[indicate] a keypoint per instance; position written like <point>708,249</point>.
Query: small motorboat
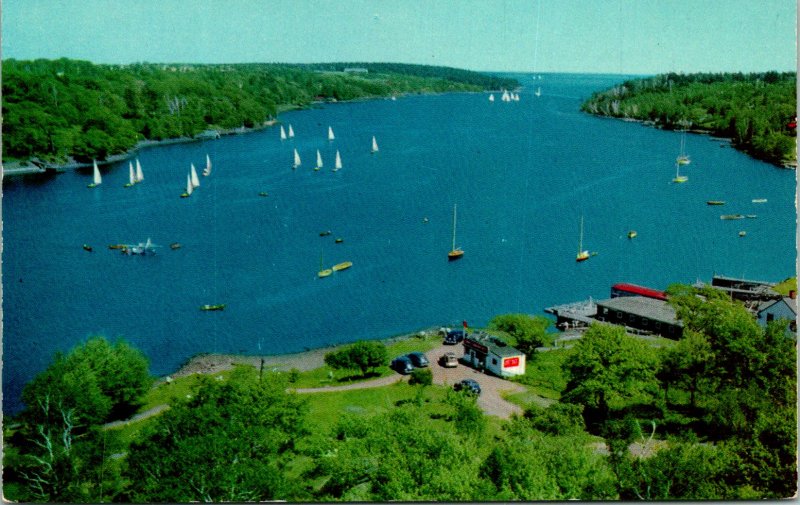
<point>632,234</point>
<point>324,233</point>
<point>117,246</point>
<point>87,247</point>
<point>731,216</point>
<point>263,193</point>
<point>342,266</point>
<point>751,216</point>
<point>742,233</point>
<point>759,200</point>
<point>715,202</point>
<point>220,306</point>
<point>325,272</point>
<point>339,240</point>
<point>175,245</point>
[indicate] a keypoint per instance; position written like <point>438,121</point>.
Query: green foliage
<point>363,355</point>
<point>609,369</point>
<point>467,417</point>
<point>401,455</point>
<point>65,108</point>
<point>96,381</point>
<point>230,442</point>
<point>557,419</point>
<point>752,109</point>
<point>528,465</point>
<point>528,332</point>
<point>421,376</point>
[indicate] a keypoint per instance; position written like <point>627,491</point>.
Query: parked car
<point>453,337</point>
<point>418,359</point>
<point>448,360</point>
<point>468,385</point>
<point>402,365</point>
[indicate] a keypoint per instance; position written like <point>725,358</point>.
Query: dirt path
<point>375,383</point>
<point>138,417</point>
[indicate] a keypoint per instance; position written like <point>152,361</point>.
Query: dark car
<point>418,359</point>
<point>454,336</point>
<point>402,365</point>
<point>468,385</point>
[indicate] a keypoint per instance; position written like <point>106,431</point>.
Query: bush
<point>421,376</point>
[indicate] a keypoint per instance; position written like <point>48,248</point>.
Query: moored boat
<point>456,252</point>
<point>759,200</point>
<point>131,176</point>
<point>583,254</point>
<point>175,245</point>
<point>96,178</point>
<point>87,247</point>
<point>715,202</point>
<point>220,306</point>
<point>742,233</point>
<point>342,266</point>
<point>731,216</point>
<point>631,234</point>
<point>678,177</point>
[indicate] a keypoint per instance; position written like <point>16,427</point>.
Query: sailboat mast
<point>454,226</point>
<point>580,241</point>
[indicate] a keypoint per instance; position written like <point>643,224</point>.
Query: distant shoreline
<point>309,359</point>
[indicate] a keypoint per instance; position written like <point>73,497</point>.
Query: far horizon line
<point>484,71</point>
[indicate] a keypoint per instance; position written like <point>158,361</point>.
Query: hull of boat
<point>342,266</point>
<point>324,273</point>
<point>715,202</point>
<point>212,307</point>
<point>455,255</point>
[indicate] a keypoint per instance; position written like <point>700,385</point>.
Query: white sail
<point>139,174</point>
<point>283,133</point>
<point>131,175</point>
<point>491,97</point>
<point>330,133</point>
<point>194,179</point>
<point>538,92</point>
<point>374,145</point>
<point>319,160</point>
<point>189,187</point>
<point>338,164</point>
<point>291,132</point>
<point>96,176</point>
<point>296,159</point>
<point>207,170</point>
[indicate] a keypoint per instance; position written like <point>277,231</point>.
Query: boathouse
<point>641,313</point>
<point>745,290</point>
<point>784,308</point>
<point>483,351</point>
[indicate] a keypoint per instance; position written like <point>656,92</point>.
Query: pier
<point>574,315</point>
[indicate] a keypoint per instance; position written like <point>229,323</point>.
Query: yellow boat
<point>213,307</point>
<point>324,273</point>
<point>342,266</point>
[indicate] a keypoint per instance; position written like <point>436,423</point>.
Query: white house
<point>783,308</point>
<point>484,351</point>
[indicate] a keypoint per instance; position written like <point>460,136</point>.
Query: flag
<point>464,323</point>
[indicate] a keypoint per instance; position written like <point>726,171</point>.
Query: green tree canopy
<point>528,331</point>
<point>364,356</point>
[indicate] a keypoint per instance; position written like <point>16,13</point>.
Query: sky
<point>593,36</point>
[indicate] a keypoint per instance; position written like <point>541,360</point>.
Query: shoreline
<point>310,359</point>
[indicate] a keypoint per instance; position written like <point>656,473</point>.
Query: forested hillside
<point>60,109</point>
<point>756,111</point>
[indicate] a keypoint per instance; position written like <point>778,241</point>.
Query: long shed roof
<point>656,310</point>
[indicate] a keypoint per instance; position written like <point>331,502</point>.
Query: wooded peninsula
<point>756,111</point>
<point>57,110</point>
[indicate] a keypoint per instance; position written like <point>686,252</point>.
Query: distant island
<point>61,111</point>
<point>756,111</point>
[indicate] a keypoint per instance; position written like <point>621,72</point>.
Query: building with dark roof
<point>486,352</point>
<point>641,313</point>
<point>772,310</point>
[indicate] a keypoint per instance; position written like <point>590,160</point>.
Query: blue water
<point>522,174</point>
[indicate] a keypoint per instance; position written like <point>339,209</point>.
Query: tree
<point>528,332</point>
<point>98,381</point>
<point>608,369</point>
<point>229,442</point>
<point>686,364</point>
<point>363,355</point>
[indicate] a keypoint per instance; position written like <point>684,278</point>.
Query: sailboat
<point>139,174</point>
<point>283,133</point>
<point>323,272</point>
<point>131,176</point>
<point>319,161</point>
<point>538,92</point>
<point>583,255</point>
<point>374,145</point>
<point>96,179</point>
<point>338,164</point>
<point>193,174</point>
<point>455,253</point>
<point>683,158</point>
<point>189,187</point>
<point>330,133</point>
<point>296,159</point>
<point>678,177</point>
<point>207,170</point>
<point>291,132</point>
<point>491,97</point>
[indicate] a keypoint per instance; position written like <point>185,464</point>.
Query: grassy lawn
<point>326,376</point>
<point>325,409</point>
<point>543,374</point>
<point>787,285</point>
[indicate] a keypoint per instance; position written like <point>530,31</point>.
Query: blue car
<point>468,385</point>
<point>453,337</point>
<point>418,359</point>
<point>402,365</point>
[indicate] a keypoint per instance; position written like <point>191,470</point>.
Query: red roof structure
<point>625,289</point>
